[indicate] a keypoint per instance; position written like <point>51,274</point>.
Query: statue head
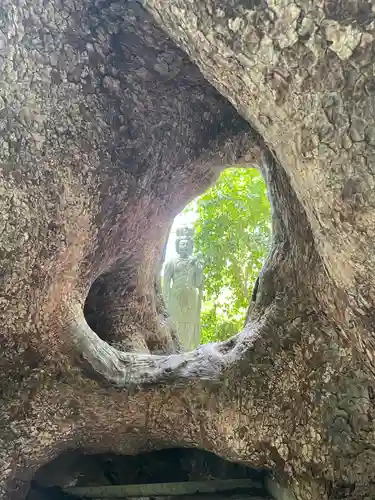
<point>184,241</point>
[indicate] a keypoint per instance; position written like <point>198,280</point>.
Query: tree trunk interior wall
<point>108,129</point>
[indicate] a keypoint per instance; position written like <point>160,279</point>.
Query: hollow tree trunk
<point>107,131</point>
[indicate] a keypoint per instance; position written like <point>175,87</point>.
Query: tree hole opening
<point>77,469</point>
<point>214,254</point>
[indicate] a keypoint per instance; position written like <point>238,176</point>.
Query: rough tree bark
<point>107,130</point>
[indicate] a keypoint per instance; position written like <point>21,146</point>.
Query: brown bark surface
<point>107,130</point>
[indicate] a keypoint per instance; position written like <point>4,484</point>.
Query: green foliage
<point>233,232</point>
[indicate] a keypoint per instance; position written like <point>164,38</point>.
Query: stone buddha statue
<point>182,289</point>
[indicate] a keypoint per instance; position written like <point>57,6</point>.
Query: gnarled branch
<point>128,369</point>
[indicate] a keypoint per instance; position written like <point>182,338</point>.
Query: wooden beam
<point>164,489</point>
